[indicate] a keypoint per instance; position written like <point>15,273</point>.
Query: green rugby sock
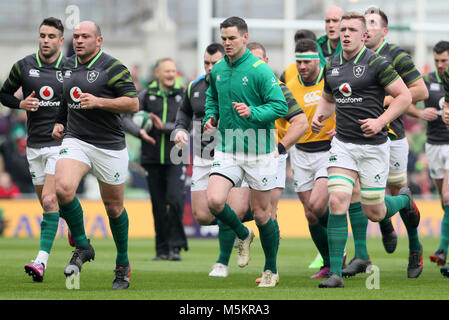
<point>413,238</point>
<point>73,215</point>
<point>229,217</point>
<point>359,225</point>
<point>444,242</point>
<point>395,203</point>
<point>319,238</point>
<point>119,229</point>
<point>278,234</point>
<point>269,243</point>
<point>324,219</point>
<point>49,228</point>
<point>337,234</point>
<point>226,238</point>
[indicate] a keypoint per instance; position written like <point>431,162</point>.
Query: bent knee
<point>311,218</point>
<point>374,213</point>
<point>215,204</point>
<point>50,203</point>
<point>113,210</point>
<point>64,192</point>
<point>203,217</point>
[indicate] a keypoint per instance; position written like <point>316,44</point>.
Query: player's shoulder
<point>69,62</point>
<point>395,50</point>
<point>430,77</point>
<point>109,63</point>
<point>374,59</point>
<point>28,61</point>
<point>321,40</point>
<point>198,80</point>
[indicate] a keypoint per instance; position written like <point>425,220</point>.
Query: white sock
<point>42,257</point>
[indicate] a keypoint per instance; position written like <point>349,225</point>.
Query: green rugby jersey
<point>404,66</point>
<point>358,87</point>
<point>251,81</point>
<point>103,76</point>
<point>45,80</point>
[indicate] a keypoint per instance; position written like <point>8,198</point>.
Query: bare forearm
<point>297,128</point>
<point>119,105</point>
<point>414,111</point>
<point>325,107</point>
<point>397,107</point>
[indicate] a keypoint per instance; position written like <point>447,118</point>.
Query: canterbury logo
<point>313,96</point>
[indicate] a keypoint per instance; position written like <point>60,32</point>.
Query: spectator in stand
<point>8,189</point>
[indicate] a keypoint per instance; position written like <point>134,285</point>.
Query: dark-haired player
<point>40,77</point>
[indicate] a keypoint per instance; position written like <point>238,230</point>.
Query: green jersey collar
<point>317,80</point>
<point>381,46</point>
<point>437,76</point>
<point>239,60</point>
<point>91,62</point>
<point>356,58</point>
<point>39,63</point>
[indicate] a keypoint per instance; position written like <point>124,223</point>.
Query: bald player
<point>97,89</point>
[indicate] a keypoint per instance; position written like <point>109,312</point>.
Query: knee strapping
<point>397,178</point>
<point>372,196</point>
<point>340,183</point>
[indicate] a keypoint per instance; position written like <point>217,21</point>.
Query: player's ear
<point>99,40</point>
<point>365,36</point>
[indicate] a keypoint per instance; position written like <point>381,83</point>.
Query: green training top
<point>251,81</point>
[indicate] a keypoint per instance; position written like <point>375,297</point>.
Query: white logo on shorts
<point>46,92</point>
<point>75,94</point>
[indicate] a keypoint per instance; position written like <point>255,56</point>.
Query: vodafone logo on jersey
<point>345,89</point>
<point>46,92</point>
<point>75,94</point>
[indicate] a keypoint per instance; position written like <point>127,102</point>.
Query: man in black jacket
<point>166,180</point>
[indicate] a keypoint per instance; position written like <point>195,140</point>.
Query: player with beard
<point>40,77</point>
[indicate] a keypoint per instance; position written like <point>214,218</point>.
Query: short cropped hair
<point>162,60</point>
<point>304,34</point>
<point>241,25</point>
<point>256,45</point>
<point>53,22</point>
<point>354,15</point>
<point>441,46</point>
<point>306,45</point>
<point>213,48</point>
<point>376,10</point>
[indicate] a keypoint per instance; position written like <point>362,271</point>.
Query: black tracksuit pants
<point>166,184</point>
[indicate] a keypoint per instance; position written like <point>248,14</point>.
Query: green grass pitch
<point>188,279</point>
